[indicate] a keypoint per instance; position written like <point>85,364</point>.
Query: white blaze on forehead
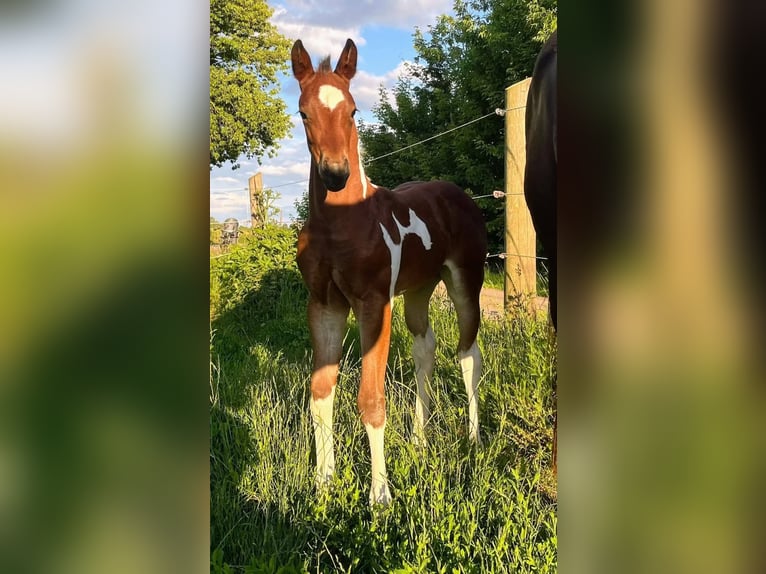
<point>330,96</point>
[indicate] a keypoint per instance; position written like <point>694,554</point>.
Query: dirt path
<point>491,301</point>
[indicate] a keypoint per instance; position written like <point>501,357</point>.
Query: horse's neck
<point>358,189</point>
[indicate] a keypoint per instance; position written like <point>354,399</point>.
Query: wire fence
<point>497,112</point>
<point>498,255</point>
<point>497,194</point>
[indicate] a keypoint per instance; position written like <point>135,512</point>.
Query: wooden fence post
<point>256,200</point>
<point>520,241</point>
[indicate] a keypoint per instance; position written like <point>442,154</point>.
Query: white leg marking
<point>416,227</point>
<point>423,348</point>
<point>321,415</point>
<point>470,364</point>
<point>330,96</point>
<point>379,493</point>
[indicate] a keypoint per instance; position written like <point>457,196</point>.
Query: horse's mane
<point>324,66</point>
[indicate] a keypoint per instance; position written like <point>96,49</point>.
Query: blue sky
<point>382,32</point>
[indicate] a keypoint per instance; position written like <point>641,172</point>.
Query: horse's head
<point>327,109</point>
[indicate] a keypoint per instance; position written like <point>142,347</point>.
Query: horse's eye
<point>303,116</point>
<point>354,112</point>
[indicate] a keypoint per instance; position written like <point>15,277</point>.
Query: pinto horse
<point>540,177</point>
<point>363,244</point>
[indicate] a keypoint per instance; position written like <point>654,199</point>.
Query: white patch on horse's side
<point>379,493</point>
<point>416,227</point>
<point>470,364</point>
<point>396,258</point>
<point>330,96</point>
<point>321,416</point>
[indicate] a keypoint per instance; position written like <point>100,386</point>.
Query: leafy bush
<point>263,260</point>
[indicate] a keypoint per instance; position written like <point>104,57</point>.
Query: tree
<point>247,116</point>
<point>301,209</point>
<point>267,207</point>
<point>461,70</point>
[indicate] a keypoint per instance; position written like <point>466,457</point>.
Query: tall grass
<point>456,508</point>
<point>494,276</point>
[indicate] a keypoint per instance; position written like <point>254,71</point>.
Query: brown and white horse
<point>362,245</point>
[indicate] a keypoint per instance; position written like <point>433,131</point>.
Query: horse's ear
<point>346,66</point>
<point>302,67</point>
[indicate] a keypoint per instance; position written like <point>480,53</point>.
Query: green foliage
<point>247,116</point>
<point>302,208</point>
<point>215,231</point>
<point>462,67</point>
<point>494,276</point>
<point>265,206</point>
<point>268,204</point>
<point>456,508</point>
<point>260,261</point>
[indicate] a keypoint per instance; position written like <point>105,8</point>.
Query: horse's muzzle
<point>334,175</point>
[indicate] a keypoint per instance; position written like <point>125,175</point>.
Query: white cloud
<point>365,86</point>
<point>287,168</point>
<point>319,41</point>
<point>230,204</point>
<point>354,14</point>
<point>226,179</point>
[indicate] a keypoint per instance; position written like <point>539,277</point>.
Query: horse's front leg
<point>374,319</point>
<point>327,323</point>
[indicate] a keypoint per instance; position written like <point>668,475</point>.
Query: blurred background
<point>104,331</point>
<point>104,334</point>
<point>661,287</point>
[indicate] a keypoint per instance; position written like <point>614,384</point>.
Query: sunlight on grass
<point>456,507</point>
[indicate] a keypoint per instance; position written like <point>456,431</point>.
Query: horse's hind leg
<point>464,287</point>
<point>423,348</point>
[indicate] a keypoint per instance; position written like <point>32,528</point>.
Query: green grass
<point>494,277</point>
<point>456,508</point>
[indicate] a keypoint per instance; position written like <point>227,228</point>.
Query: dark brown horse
<point>540,176</point>
<point>540,172</point>
<point>362,245</point>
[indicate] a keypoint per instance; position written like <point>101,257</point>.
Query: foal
<point>362,245</point>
